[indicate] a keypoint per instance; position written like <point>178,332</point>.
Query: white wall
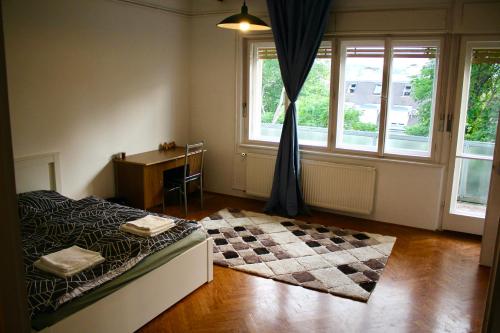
<point>89,78</point>
<point>213,89</point>
<point>407,193</point>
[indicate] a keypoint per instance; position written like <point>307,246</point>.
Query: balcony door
<point>474,134</point>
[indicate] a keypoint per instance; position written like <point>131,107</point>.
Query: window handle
<point>449,124</point>
<point>244,110</point>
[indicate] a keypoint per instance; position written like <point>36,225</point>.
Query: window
<point>268,99</point>
<point>313,104</point>
<point>358,116</point>
<point>385,104</point>
<point>478,125</point>
<point>410,120</point>
<point>266,94</point>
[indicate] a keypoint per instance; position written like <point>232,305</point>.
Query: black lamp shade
<point>243,21</point>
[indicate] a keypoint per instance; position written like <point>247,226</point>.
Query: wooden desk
<point>139,177</point>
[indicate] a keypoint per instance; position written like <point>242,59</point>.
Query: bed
<point>140,278</point>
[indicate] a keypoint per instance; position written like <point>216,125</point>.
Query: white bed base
<point>138,302</point>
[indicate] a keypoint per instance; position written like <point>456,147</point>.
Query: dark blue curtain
<point>298,27</point>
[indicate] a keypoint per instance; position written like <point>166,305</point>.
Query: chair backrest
<point>191,149</point>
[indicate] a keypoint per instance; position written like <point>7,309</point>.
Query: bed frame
<point>137,302</point>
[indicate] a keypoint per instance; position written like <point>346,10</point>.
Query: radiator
<point>260,173</point>
<point>342,187</point>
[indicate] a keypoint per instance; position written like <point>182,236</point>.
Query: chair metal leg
<point>163,201</point>
<point>180,198</point>
<point>185,199</point>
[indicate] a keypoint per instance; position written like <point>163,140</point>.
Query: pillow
<point>41,201</point>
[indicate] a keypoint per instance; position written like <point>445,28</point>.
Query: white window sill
<point>326,155</point>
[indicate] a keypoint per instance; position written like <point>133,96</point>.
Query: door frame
<point>14,309</point>
<point>450,221</point>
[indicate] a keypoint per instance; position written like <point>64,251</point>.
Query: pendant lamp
<point>243,21</point>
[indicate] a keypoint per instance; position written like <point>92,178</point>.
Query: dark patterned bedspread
<point>51,222</point>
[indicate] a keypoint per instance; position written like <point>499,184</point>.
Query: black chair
<point>195,154</point>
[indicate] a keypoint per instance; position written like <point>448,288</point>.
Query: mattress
<point>51,222</point>
<point>148,264</point>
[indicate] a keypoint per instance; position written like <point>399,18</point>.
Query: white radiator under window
<point>342,187</point>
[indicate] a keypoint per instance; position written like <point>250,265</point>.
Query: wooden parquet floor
<point>432,283</point>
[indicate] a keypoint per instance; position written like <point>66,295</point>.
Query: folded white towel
<point>40,265</point>
<point>150,223</point>
<point>69,261</point>
<point>151,231</point>
<point>138,232</point>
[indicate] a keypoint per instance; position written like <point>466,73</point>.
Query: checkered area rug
<point>342,262</point>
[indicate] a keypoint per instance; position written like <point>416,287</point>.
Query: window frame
<point>339,98</point>
<point>395,42</point>
<point>249,106</point>
<point>246,95</point>
<point>336,91</point>
<point>462,118</point>
<point>384,97</point>
<point>453,219</point>
<point>248,46</point>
